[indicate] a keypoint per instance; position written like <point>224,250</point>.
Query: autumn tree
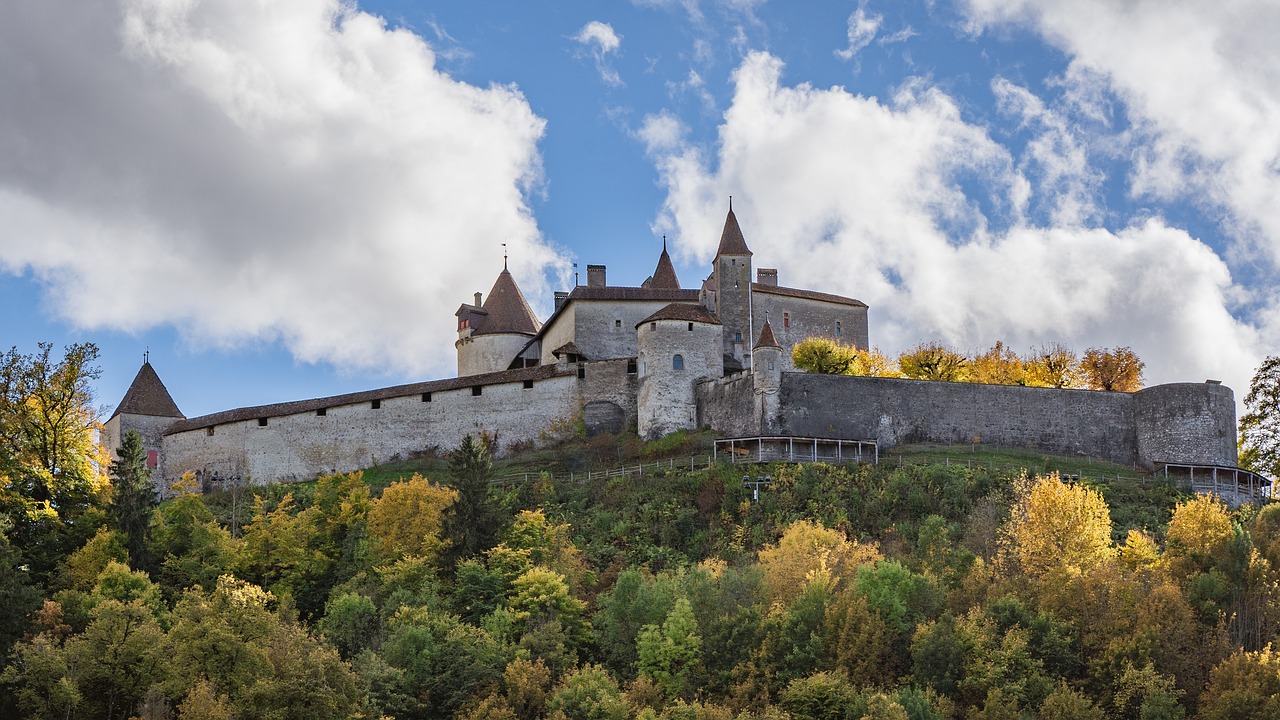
<point>1058,526</point>
<point>1260,426</point>
<point>823,355</point>
<point>1054,366</point>
<point>805,549</point>
<point>997,366</point>
<point>932,361</point>
<point>408,518</point>
<point>1118,370</point>
<point>873,363</point>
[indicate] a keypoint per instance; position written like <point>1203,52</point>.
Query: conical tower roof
<point>508,311</point>
<point>148,396</point>
<point>731,240</point>
<point>664,277</point>
<point>766,337</point>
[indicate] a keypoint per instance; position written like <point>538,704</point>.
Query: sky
<point>283,199</point>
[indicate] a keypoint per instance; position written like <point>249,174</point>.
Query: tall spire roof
<point>731,240</point>
<point>148,396</point>
<point>664,277</point>
<point>766,337</point>
<point>508,311</point>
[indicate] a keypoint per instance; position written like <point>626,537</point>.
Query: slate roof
<point>569,348</point>
<point>148,396</point>
<point>508,311</point>
<point>766,337</point>
<point>583,292</point>
<point>664,276</point>
<point>731,240</point>
<point>682,312</point>
<point>539,372</point>
<point>806,294</point>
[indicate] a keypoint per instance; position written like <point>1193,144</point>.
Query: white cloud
<point>910,208</point>
<point>601,40</point>
<point>1201,85</point>
<point>292,171</point>
<point>862,31</point>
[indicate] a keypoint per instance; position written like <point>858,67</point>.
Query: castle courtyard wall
<point>607,329</point>
<point>794,319</point>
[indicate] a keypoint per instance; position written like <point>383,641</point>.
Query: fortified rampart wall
<point>1168,423</point>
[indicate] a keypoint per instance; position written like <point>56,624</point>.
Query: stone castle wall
<point>1187,423</point>
<point>478,354</point>
<point>150,427</point>
<point>794,319</point>
<point>666,401</point>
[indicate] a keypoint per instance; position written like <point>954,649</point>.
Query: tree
<point>997,366</point>
<point>589,693</point>
<point>873,363</point>
<point>1117,370</point>
<point>1056,526</point>
<point>408,518</point>
<point>1054,366</point>
<point>1260,426</point>
<point>471,522</point>
<point>823,355</point>
<point>806,549</point>
<point>1245,686</point>
<point>670,654</point>
<point>932,361</point>
<point>133,496</point>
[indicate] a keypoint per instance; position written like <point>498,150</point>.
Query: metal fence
<point>782,448</point>
<point>695,462</point>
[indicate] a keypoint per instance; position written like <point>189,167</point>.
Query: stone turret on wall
<point>679,347</point>
<point>766,376</point>
<point>147,408</point>
<point>490,336</point>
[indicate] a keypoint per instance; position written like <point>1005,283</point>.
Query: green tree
<point>1260,425</point>
<point>671,654</point>
<point>823,696</point>
<point>133,497</point>
<point>589,693</point>
<point>189,546</point>
<point>1245,686</point>
<point>932,361</point>
<point>471,522</point>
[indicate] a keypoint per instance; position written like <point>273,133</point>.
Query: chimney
<point>595,276</point>
<point>767,276</point>
<point>478,303</point>
<point>560,297</point>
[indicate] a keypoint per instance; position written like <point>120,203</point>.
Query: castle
<point>660,358</point>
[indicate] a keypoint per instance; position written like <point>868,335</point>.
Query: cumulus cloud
<point>601,40</point>
<point>285,171</point>
<point>908,207</point>
<point>1200,83</point>
<point>863,27</point>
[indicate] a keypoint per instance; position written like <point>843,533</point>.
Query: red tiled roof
<point>806,294</point>
<point>508,311</point>
<point>148,396</point>
<point>766,337</point>
<point>731,240</point>
<point>664,276</point>
<point>539,372</point>
<point>683,312</point>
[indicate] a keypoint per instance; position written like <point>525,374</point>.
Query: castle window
<point>631,367</point>
<point>209,431</point>
<point>617,323</point>
<point>375,404</point>
<point>528,384</point>
<point>837,328</point>
<point>426,397</point>
<point>677,362</point>
<point>737,337</point>
<point>582,371</point>
<point>322,412</point>
<point>690,327</point>
<point>262,422</point>
<point>153,459</point>
<point>653,326</point>
<point>475,391</point>
<point>786,321</point>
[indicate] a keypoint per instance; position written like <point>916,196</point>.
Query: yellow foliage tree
<point>1056,526</point>
<point>997,366</point>
<point>873,363</point>
<point>806,550</point>
<point>407,519</point>
<point>1199,532</point>
<point>1054,366</point>
<point>822,355</point>
<point>1117,370</point>
<point>932,361</point>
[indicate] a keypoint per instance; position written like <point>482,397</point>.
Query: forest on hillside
<point>917,592</point>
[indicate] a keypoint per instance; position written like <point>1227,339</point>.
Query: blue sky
<point>290,199</point>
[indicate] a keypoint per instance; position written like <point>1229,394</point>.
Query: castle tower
<point>148,408</point>
<point>731,281</point>
<point>766,376</point>
<point>664,276</point>
<point>679,347</point>
<point>493,332</point>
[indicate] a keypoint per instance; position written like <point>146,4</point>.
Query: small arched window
<point>677,362</point>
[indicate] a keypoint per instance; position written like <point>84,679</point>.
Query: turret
<point>147,408</point>
<point>491,334</point>
<point>679,347</point>
<point>664,276</point>
<point>766,377</point>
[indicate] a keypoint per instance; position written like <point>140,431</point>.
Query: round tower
<point>766,378</point>
<point>492,333</point>
<point>679,346</point>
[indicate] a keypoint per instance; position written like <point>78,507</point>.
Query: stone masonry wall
<point>728,405</point>
<point>807,318</point>
<point>350,437</point>
<point>150,427</point>
<point>487,353</point>
<point>666,401</point>
<point>607,329</point>
<point>1187,423</point>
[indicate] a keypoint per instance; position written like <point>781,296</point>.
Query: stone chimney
<point>560,298</point>
<point>478,303</point>
<point>767,276</point>
<point>595,276</point>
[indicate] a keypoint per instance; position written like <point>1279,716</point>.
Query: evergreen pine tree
<point>133,496</point>
<point>471,522</point>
